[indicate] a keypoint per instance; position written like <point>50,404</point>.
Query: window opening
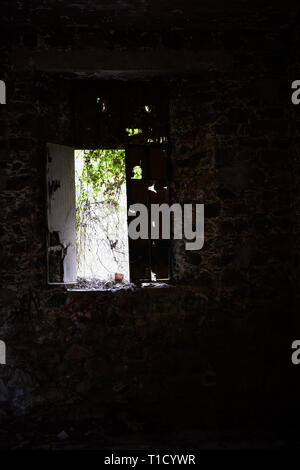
<point>101,215</point>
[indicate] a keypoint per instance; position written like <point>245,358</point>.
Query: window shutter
<point>61,214</point>
<point>148,257</point>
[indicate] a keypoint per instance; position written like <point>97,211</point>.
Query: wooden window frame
<point>104,126</point>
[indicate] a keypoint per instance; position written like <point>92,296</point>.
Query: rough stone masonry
<point>211,350</point>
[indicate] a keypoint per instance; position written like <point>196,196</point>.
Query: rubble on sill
<point>94,284</point>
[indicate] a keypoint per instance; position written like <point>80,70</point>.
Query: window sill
<point>113,286</point>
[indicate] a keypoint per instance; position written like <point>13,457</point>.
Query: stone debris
<point>100,285</point>
<point>110,285</point>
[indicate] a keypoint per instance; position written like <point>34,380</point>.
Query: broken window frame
<point>142,263</point>
<point>103,113</point>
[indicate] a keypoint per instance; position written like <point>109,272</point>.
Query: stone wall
<point>215,346</point>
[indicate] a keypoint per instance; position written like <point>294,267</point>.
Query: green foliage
<point>132,132</point>
<point>137,173</point>
<point>103,172</point>
<point>102,177</point>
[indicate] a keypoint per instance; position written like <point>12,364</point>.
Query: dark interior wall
<point>215,347</point>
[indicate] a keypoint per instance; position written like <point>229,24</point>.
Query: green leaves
<point>100,175</point>
<point>137,173</point>
<point>103,172</point>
